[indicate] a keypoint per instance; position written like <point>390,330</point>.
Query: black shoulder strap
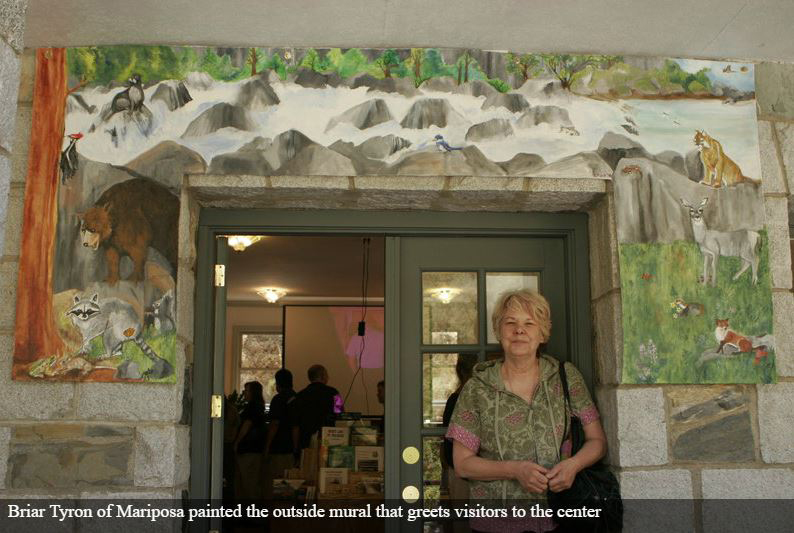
<point>564,381</point>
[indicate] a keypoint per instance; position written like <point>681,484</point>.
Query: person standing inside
<point>278,443</point>
<point>314,407</point>
<point>250,443</point>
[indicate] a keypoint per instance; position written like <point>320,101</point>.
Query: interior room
<point>296,301</point>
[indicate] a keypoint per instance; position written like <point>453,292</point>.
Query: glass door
<point>448,288</point>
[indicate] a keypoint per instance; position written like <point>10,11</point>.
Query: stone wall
<point>76,440</point>
<point>725,441</point>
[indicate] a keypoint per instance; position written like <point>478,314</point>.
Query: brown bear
<point>128,218</point>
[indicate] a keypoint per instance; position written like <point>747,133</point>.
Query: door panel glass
<point>432,469</point>
<point>497,283</point>
<point>449,308</point>
<point>439,381</point>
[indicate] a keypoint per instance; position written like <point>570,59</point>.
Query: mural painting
<point>135,119</point>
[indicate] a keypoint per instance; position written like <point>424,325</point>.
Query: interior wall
<point>311,338</point>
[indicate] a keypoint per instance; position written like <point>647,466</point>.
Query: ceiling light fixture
<point>272,295</point>
<point>444,294</point>
<point>241,242</point>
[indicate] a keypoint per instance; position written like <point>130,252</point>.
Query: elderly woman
<point>507,428</point>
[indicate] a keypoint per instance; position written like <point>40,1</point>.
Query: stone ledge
<point>398,192</point>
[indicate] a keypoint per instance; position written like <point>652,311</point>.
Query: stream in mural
<point>671,134</point>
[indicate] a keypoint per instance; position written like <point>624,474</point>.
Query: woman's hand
<point>561,475</point>
<point>532,477</point>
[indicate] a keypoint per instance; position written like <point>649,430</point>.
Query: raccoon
<point>163,312</point>
<point>117,322</point>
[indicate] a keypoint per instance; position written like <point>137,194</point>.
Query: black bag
<point>595,487</point>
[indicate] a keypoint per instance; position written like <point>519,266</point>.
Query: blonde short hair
<point>527,300</point>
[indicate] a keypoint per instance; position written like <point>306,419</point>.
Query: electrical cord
<point>362,330</point>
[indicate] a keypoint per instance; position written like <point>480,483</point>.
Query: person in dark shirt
<point>250,442</point>
<point>458,488</point>
<point>314,407</point>
<point>278,444</point>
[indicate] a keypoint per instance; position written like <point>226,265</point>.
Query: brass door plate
<point>411,455</point>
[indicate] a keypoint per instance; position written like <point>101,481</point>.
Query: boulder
<point>167,163</point>
<point>285,147</point>
<point>270,76</point>
<point>549,114</point>
<point>430,112</point>
<point>496,128</point>
<point>441,84</point>
<point>402,86</point>
<point>316,160</point>
<point>476,88</point>
<point>537,88</point>
<point>648,203</point>
<point>306,77</point>
<point>581,165</point>
<point>256,95</point>
<point>467,162</point>
<point>364,115</point>
<point>672,159</point>
<point>249,159</point>
<point>199,80</point>
<point>364,165</point>
<point>523,164</point>
<point>219,116</point>
<point>693,165</point>
<point>511,101</point>
<point>614,147</point>
<point>173,93</point>
<point>382,147</point>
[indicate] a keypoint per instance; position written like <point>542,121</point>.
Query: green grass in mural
<point>660,348</point>
<point>163,345</point>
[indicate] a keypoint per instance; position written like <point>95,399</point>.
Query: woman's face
<point>247,393</point>
<point>520,333</point>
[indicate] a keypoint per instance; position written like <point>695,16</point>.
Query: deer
<point>743,244</point>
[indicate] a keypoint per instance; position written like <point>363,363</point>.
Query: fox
<point>727,337</point>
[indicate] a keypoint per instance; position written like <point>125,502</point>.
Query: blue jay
<point>442,145</point>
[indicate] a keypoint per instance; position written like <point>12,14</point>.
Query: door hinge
<point>220,275</point>
<point>216,406</point>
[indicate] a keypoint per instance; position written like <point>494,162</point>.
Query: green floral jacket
<point>499,425</point>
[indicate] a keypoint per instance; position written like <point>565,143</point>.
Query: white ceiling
<point>312,269</point>
<point>710,29</point>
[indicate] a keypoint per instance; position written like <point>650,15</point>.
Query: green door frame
<point>214,223</point>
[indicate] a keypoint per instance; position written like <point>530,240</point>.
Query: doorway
<point>552,252</point>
